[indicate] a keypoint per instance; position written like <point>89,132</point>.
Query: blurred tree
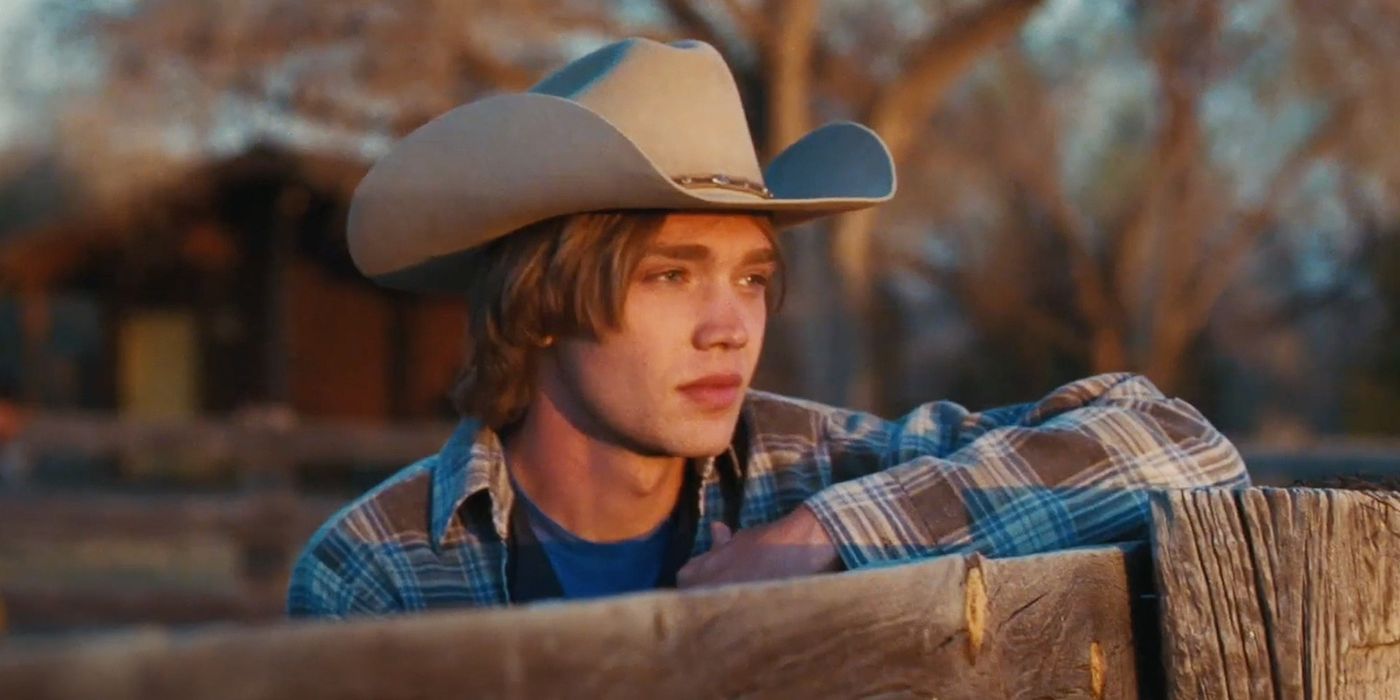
<point>886,64</point>
<point>1373,387</point>
<point>1104,231</point>
<point>1089,196</point>
<point>354,74</point>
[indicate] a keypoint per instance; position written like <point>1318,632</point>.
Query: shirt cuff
<point>871,520</point>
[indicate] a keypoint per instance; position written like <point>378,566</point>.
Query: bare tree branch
<point>995,303</point>
<point>899,111</point>
<point>1220,268</point>
<point>903,106</point>
<point>1177,145</point>
<point>753,23</point>
<point>840,75</point>
<point>696,25</point>
<point>1183,68</point>
<point>492,71</point>
<point>1033,157</point>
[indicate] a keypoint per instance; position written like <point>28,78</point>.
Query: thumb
<point>720,534</point>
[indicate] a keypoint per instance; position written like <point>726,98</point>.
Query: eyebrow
<point>760,255</point>
<point>688,252</point>
<point>695,253</point>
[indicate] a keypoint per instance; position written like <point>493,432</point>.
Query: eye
<point>755,279</point>
<point>758,277</point>
<point>672,275</point>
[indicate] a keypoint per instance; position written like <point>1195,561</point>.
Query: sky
<point>37,64</point>
<point>34,70</point>
<point>14,16</point>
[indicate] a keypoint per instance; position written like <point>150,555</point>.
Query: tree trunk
<point>899,112</point>
<point>1109,352</point>
<point>788,54</point>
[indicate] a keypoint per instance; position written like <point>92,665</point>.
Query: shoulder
<point>340,568</point>
<point>397,505</point>
<point>813,443</point>
<point>775,414</point>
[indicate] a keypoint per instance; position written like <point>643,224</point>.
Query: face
<point>671,379</point>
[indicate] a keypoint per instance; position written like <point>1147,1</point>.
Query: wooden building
<point>228,289</point>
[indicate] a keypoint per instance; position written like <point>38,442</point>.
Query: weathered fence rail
<point>1056,625</point>
<point>1260,593</point>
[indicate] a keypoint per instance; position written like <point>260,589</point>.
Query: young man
<point>613,235</point>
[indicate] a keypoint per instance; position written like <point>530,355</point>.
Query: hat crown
<point>633,125</point>
<point>653,92</point>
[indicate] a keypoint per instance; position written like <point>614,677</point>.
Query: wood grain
<point>1279,593</point>
<point>1049,626</point>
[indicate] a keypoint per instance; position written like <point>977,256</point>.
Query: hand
<point>795,545</point>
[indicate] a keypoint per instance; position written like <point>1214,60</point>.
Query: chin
<point>700,450</point>
<point>698,439</point>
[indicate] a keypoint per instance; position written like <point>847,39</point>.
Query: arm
<point>1072,469</point>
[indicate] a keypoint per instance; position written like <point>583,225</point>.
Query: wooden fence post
<point>1279,593</point>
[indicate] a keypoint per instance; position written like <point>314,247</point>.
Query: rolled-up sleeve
<point>1072,469</point>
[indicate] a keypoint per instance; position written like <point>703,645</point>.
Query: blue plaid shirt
<point>1071,469</point>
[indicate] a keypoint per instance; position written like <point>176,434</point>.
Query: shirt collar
<point>470,463</point>
<point>473,461</point>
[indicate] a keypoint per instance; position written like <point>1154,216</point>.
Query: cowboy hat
<point>634,125</point>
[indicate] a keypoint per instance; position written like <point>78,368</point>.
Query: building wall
<point>338,346</point>
<point>435,353</point>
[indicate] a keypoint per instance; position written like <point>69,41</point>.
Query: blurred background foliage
<point>1199,190</point>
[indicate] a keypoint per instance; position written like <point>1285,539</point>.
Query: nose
<point>723,322</point>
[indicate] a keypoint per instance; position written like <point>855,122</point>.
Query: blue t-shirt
<point>595,569</point>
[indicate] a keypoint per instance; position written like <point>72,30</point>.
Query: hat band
<point>724,182</point>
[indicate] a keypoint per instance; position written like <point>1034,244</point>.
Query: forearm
<point>1081,477</point>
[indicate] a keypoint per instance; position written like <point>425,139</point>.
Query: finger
<point>692,574</point>
<point>720,534</point>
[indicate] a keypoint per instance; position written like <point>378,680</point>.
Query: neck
<point>596,489</point>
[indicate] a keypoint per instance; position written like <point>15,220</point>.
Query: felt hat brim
<point>502,163</point>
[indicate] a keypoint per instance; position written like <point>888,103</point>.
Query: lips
<point>713,392</point>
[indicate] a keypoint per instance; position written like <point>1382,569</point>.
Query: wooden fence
<point>66,556</point>
<point>267,441</point>
<point>950,628</point>
<point>1273,593</point>
<point>69,561</point>
<point>272,439</point>
<point>1263,593</point>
